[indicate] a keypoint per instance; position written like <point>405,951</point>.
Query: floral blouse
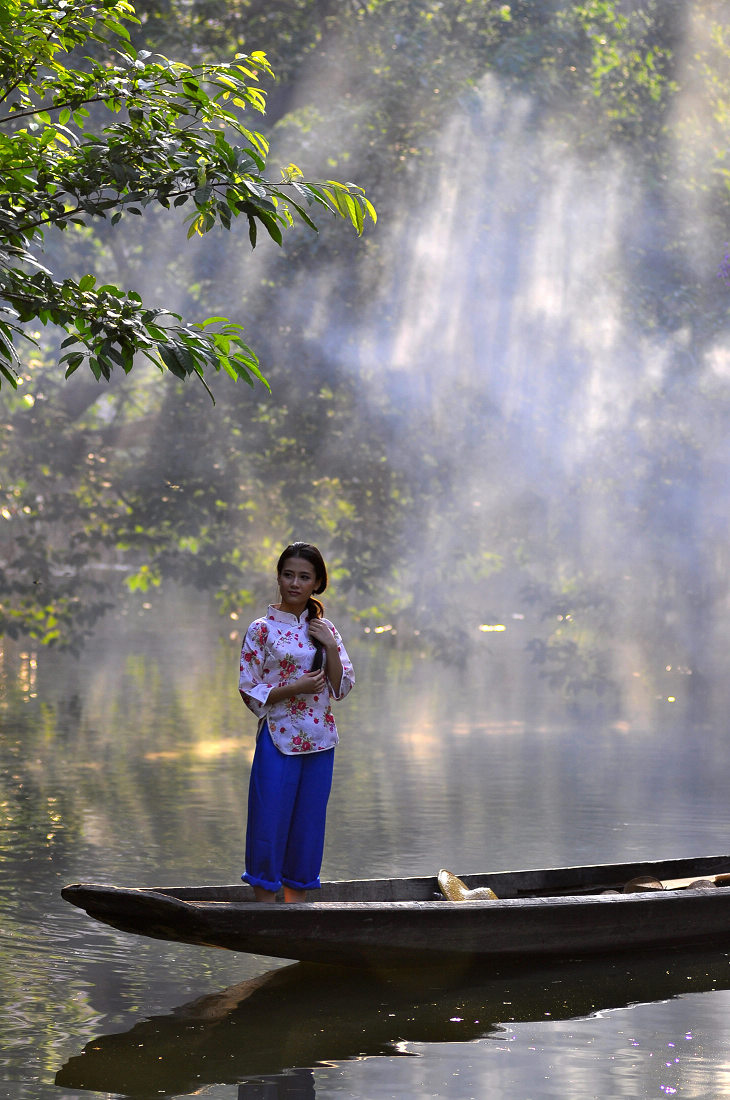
<point>275,651</point>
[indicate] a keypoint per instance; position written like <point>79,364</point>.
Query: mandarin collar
<point>286,616</point>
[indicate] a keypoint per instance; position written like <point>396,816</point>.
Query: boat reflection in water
<point>297,1084</point>
<point>258,1033</point>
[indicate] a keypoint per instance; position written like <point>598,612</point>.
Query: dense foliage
<point>83,139</point>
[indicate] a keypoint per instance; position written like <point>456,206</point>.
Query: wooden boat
<point>404,922</point>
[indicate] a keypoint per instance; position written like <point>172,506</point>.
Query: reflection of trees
<point>131,766</point>
<point>512,400</point>
<point>114,762</point>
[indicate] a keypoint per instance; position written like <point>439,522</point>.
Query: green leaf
<point>271,225</point>
<point>9,375</point>
<point>157,138</point>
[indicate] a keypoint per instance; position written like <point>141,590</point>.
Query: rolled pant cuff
<point>314,885</point>
<point>274,887</point>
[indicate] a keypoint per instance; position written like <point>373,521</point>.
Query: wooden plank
<point>683,883</point>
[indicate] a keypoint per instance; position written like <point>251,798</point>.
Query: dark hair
<point>314,607</point>
<point>312,555</point>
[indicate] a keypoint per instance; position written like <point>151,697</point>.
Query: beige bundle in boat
<point>454,889</point>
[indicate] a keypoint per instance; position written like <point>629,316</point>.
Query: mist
<point>497,412</point>
<point>566,442</point>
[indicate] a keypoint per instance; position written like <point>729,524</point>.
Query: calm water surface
<point>130,765</point>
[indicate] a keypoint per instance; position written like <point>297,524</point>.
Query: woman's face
<point>297,582</point>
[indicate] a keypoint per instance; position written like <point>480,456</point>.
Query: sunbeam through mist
<point>506,407</point>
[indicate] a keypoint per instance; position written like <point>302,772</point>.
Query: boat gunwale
<point>466,903</point>
<point>606,892</point>
<point>607,885</point>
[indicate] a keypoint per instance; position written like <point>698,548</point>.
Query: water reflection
<point>297,1085</point>
<point>259,1032</point>
<point>131,767</point>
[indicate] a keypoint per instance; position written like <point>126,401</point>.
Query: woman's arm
<point>309,684</point>
<point>334,669</point>
<point>322,633</point>
<point>254,691</point>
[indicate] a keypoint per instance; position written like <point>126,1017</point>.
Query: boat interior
<point>703,873</point>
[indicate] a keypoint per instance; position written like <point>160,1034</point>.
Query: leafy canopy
<point>104,136</point>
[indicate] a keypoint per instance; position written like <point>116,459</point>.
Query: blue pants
<point>287,809</point>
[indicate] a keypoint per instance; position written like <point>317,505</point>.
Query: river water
<point>129,765</point>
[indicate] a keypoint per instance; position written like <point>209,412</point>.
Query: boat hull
<point>396,923</point>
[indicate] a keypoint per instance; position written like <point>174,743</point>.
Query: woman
<point>292,663</point>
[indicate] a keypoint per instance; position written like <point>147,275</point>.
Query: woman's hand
<point>311,683</point>
<point>320,632</point>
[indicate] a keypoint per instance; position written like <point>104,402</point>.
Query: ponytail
<point>315,608</point>
<point>316,611</point>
